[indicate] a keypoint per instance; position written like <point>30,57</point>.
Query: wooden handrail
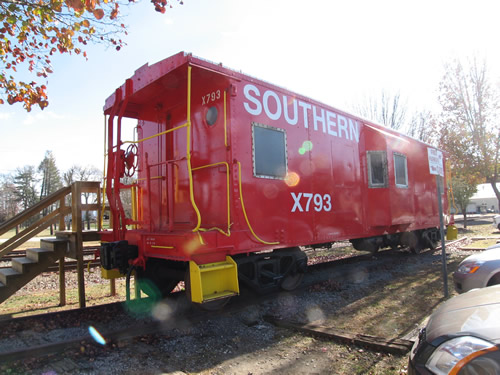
<point>45,221</point>
<point>35,209</point>
<point>28,231</point>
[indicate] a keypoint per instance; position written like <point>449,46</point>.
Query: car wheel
<point>495,280</point>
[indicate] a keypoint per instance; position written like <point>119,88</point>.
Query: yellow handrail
<point>133,193</point>
<point>158,134</point>
<point>228,233</point>
<point>188,152</point>
<point>245,212</point>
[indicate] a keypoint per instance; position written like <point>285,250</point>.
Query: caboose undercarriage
<point>262,272</point>
<point>416,241</point>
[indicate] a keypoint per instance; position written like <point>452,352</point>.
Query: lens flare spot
<point>270,191</point>
<point>162,311</point>
<point>307,167</point>
<point>193,245</point>
<point>96,335</point>
<point>315,314</point>
<point>292,179</point>
<point>359,276</point>
<point>302,150</point>
<point>307,145</point>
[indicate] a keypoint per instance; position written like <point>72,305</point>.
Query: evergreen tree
<point>26,193</point>
<point>8,204</point>
<point>51,179</point>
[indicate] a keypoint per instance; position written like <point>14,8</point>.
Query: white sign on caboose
<point>435,161</point>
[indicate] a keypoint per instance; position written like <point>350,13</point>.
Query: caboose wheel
<point>413,240</point>
<point>294,266</point>
<point>291,282</point>
<point>416,249</point>
<point>208,306</point>
<point>155,280</point>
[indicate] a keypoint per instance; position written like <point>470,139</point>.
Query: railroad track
<point>129,327</point>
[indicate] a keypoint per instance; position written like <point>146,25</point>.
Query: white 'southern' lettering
<point>275,108</point>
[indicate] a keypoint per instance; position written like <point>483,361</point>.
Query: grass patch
<point>482,230</point>
<point>12,233</point>
<point>398,306</point>
<point>482,244</point>
<point>22,304</point>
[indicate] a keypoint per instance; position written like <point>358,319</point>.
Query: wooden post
<point>112,287</point>
<point>62,205</point>
<point>62,283</point>
<point>99,211</point>
<point>76,228</point>
<point>137,288</point>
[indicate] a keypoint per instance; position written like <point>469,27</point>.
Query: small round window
<point>211,116</point>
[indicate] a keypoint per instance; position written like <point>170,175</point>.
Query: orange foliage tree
<point>469,122</point>
<point>32,31</point>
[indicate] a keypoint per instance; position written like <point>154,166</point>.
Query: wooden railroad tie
<point>393,346</point>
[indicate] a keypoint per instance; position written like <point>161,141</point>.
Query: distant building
<point>484,200</point>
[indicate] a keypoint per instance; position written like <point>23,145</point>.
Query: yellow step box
<point>111,274</point>
<point>213,281</point>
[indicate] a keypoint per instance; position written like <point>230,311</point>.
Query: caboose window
<point>269,151</point>
<point>400,170</point>
<point>377,169</point>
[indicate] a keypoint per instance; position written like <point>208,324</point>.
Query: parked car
<point>462,336</point>
<point>478,270</point>
<point>496,222</point>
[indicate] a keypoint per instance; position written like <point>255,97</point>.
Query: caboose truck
<point>234,174</point>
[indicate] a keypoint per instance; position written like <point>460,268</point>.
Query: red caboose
<point>234,174</point>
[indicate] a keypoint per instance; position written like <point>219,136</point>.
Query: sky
<point>337,52</point>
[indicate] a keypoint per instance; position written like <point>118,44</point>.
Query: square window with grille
<point>377,169</point>
<point>401,170</point>
<point>269,151</point>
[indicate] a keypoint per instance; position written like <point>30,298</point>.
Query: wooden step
<point>22,264</point>
<point>37,254</point>
<point>54,244</point>
<point>87,235</point>
<point>7,274</point>
<point>25,269</point>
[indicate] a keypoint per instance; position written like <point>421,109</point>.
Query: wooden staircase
<point>25,269</point>
<point>67,244</point>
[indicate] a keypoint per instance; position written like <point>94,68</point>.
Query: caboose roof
<point>144,84</point>
<point>147,75</point>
